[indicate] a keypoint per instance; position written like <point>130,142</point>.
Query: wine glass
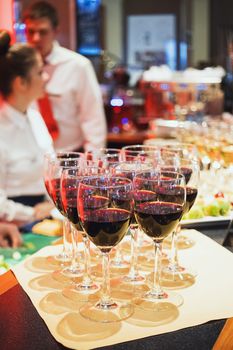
<point>106,158</point>
<point>180,150</point>
<point>141,152</point>
<point>129,169</point>
<point>49,157</point>
<point>68,190</point>
<point>103,157</point>
<point>70,180</point>
<point>56,165</point>
<point>106,223</point>
<point>159,199</point>
<point>174,272</point>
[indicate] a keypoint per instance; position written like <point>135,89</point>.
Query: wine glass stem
<point>174,262</point>
<point>74,236</point>
<point>156,288</point>
<point>105,297</point>
<point>66,232</point>
<point>86,275</point>
<point>134,250</point>
<point>118,257</point>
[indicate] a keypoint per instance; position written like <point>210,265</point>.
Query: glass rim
<point>135,148</point>
<point>102,151</point>
<point>179,178</point>
<point>80,168</point>
<point>79,154</point>
<point>106,177</point>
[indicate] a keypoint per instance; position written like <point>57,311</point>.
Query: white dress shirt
<point>76,100</point>
<point>24,139</point>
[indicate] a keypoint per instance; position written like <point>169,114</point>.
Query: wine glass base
<point>147,260</point>
<point>61,278</point>
<point>158,303</point>
<point>53,261</point>
<point>178,278</point>
<point>72,294</point>
<point>113,312</point>
<point>144,246</point>
<point>72,271</point>
<point>58,260</point>
<point>121,264</point>
<point>63,257</point>
<point>183,242</point>
<point>133,278</point>
<point>86,288</point>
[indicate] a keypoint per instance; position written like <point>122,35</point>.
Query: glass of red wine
<point>180,150</point>
<point>70,180</point>
<point>55,166</point>
<point>49,158</point>
<point>159,199</point>
<point>108,158</point>
<point>175,274</point>
<point>129,169</point>
<point>106,223</point>
<point>68,190</point>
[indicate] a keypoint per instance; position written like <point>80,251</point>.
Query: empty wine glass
<point>103,157</point>
<point>106,223</point>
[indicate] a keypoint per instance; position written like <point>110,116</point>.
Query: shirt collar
<point>16,117</point>
<point>57,55</point>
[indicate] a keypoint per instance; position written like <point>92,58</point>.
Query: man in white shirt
<point>72,86</point>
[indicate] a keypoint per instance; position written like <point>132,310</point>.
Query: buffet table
<point>22,327</point>
<point>118,140</point>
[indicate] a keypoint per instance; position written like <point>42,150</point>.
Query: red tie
<point>47,114</point>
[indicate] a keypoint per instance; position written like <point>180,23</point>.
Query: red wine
<point>187,172</point>
<point>69,192</point>
<point>141,196</point>
<point>191,195</point>
<point>56,195</point>
<point>144,195</point>
<point>106,227</point>
<point>96,202</point>
<point>158,219</point>
<point>173,194</point>
<point>48,188</point>
<point>72,213</point>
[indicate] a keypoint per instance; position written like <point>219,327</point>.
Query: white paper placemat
<point>209,298</point>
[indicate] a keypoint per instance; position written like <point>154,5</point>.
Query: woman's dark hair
<point>16,60</point>
<point>42,9</point>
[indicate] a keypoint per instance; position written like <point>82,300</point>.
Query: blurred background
<point>155,60</point>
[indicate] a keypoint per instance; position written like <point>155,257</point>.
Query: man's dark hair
<point>42,9</point>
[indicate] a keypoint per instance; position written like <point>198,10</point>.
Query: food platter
<point>208,221</point>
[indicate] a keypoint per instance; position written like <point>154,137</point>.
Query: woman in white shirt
<point>23,135</point>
